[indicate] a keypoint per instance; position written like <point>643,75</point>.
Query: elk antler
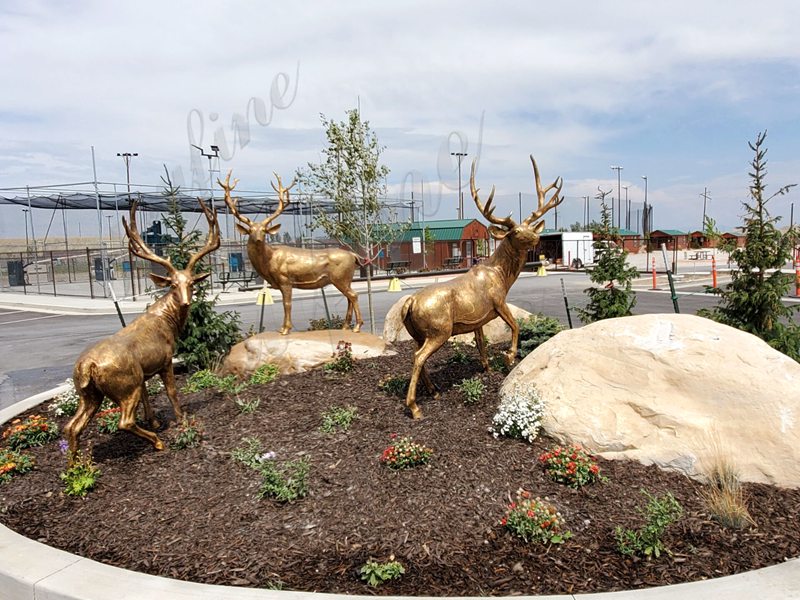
<point>212,241</point>
<point>541,193</point>
<point>233,205</point>
<point>137,246</point>
<point>283,198</point>
<point>501,225</point>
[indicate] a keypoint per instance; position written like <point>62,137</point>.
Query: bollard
<point>655,284</point>
<point>714,272</point>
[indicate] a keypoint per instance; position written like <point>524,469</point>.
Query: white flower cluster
<point>66,403</point>
<point>520,412</point>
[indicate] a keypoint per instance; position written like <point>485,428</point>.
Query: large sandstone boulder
<point>496,330</point>
<point>674,390</point>
<point>298,351</point>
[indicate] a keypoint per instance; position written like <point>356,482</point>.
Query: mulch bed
<point>195,514</point>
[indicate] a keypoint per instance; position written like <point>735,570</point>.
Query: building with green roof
<point>455,243</point>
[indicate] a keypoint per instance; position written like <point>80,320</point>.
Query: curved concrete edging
<point>31,570</point>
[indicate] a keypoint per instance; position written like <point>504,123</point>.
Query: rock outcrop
<point>674,390</point>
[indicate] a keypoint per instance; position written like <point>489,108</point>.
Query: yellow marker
<point>264,297</point>
<point>541,271</point>
<point>394,285</point>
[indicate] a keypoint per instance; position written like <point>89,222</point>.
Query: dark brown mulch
<point>194,514</point>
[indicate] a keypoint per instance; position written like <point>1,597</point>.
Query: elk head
<point>256,230</point>
<point>526,233</point>
<point>180,281</point>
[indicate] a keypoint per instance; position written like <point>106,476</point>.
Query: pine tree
<point>615,298</point>
<point>207,335</point>
<point>752,301</point>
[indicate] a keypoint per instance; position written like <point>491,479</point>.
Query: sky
<point>668,90</point>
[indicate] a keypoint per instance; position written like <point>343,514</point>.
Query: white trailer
<point>569,248</point>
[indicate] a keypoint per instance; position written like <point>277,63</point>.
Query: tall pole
<point>127,156</point>
<point>627,208</point>
<point>25,211</point>
<point>520,207</point>
<point>706,198</point>
<point>103,259</point>
<point>619,197</point>
<point>459,155</point>
<point>585,212</point>
<point>422,215</point>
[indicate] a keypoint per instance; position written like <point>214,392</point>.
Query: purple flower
<point>63,446</point>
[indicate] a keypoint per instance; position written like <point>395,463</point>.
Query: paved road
<point>38,350</point>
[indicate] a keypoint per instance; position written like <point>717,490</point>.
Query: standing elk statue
<point>118,366</point>
<point>469,301</point>
<point>285,267</point>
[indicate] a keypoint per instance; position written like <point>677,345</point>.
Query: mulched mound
<point>195,514</point>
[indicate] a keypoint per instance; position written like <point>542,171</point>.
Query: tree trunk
<point>369,300</point>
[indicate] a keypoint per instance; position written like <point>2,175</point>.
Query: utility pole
<point>706,197</point>
<point>459,155</point>
<point>127,156</point>
<point>585,212</point>
<point>619,198</point>
<point>627,208</point>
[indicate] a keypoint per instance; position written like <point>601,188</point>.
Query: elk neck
<point>169,308</point>
<point>508,258</point>
<point>259,251</point>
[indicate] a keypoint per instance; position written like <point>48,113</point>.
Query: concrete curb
<point>31,570</point>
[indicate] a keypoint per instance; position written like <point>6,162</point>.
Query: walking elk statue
<point>118,366</point>
<point>285,267</point>
<point>469,301</point>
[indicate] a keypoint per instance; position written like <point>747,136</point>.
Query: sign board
<point>416,245</point>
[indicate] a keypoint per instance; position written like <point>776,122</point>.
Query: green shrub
<point>534,520</point>
<point>264,374</point>
<point>81,476</point>
<point>247,407</point>
<point>394,385</point>
<point>108,420</point>
<point>343,361</point>
<point>459,354</point>
<point>661,512</point>
<point>188,433</point>
<point>535,331</point>
<point>338,417</point>
<point>375,573</point>
<point>200,380</point>
<point>472,389</point>
<point>285,483</point>
<point>251,454</point>
<point>571,465</point>
<point>337,322</point>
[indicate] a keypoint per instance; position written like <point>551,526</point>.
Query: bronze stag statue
<point>285,267</point>
<point>118,366</point>
<point>469,301</point>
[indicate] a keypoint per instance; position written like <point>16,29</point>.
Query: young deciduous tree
<point>615,298</point>
<point>207,335</point>
<point>352,175</point>
<point>752,301</point>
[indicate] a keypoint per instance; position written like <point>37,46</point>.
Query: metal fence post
<point>89,270</point>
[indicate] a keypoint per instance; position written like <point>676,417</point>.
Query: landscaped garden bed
<point>293,486</point>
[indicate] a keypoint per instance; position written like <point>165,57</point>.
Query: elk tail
<point>82,375</point>
<point>407,305</point>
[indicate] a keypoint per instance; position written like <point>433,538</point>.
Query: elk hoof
<point>158,445</point>
<point>356,327</point>
<point>284,330</point>
<point>416,413</point>
<point>510,357</point>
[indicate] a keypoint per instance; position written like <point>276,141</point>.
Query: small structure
<point>631,240</point>
<point>456,243</point>
<point>673,239</point>
<point>737,238</point>
<point>569,248</point>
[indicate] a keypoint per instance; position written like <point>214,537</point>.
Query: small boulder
<point>298,351</point>
<point>678,391</point>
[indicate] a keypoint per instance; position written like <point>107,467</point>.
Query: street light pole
<point>25,211</point>
<point>127,156</point>
<point>627,208</point>
<point>459,155</point>
<point>619,198</point>
<point>706,197</point>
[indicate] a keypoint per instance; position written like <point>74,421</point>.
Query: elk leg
<point>429,385</point>
<point>149,415</point>
<point>420,356</point>
<point>480,343</point>
<point>352,307</point>
<point>127,419</point>
<point>505,313</point>
<point>90,400</point>
<point>286,292</point>
<point>168,377</point>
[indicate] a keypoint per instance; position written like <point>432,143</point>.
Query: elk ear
<point>160,280</point>
<point>274,229</point>
<point>539,227</point>
<point>498,233</point>
<point>242,229</point>
<point>200,277</point>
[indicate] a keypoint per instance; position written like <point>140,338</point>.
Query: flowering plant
<point>520,413</point>
<point>108,420</point>
<point>81,476</point>
<point>534,520</point>
<point>404,452</point>
<point>571,465</point>
<point>36,430</point>
<point>343,361</point>
<point>13,463</point>
<point>188,433</point>
<point>66,403</point>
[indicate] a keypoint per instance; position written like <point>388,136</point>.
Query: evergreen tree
<point>207,335</point>
<point>752,301</point>
<point>615,298</point>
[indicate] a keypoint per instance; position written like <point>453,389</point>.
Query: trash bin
<point>16,272</point>
<point>101,274</point>
<point>235,262</point>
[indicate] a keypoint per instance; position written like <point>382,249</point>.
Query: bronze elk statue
<point>469,301</point>
<point>286,267</point>
<point>118,366</point>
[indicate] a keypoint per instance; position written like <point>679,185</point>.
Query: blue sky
<point>671,90</point>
